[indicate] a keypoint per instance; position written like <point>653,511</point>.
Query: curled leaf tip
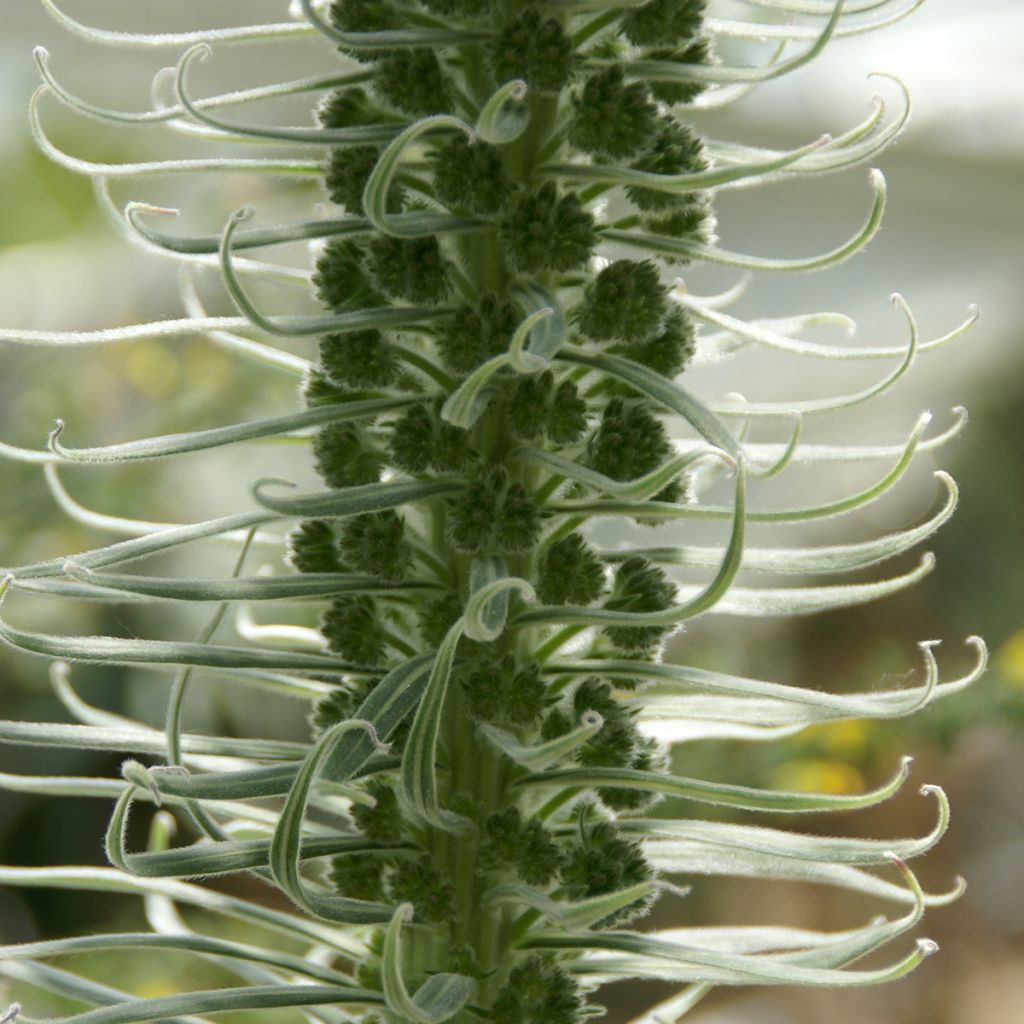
<point>664,885</point>
<point>60,671</point>
<point>260,485</point>
<point>926,947</point>
<point>136,207</point>
<point>53,437</point>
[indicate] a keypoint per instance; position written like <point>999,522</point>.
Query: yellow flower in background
<point>1009,660</point>
<point>813,775</point>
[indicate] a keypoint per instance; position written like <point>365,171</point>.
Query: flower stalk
<point>495,357</point>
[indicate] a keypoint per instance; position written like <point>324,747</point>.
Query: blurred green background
<point>952,236</point>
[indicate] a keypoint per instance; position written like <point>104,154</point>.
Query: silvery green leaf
<point>199,944</point>
<point>111,880</point>
<point>246,588</point>
<point>833,558</point>
<point>379,183</point>
<point>353,501</point>
<point>143,741</point>
<point>541,755</point>
<point>200,440</point>
<point>709,254</point>
<point>663,391</point>
<point>440,997</point>
<point>569,913</point>
<point>504,117</point>
<point>654,70</point>
<point>717,793</point>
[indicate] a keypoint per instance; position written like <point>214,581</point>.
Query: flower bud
<point>570,572</point>
<point>539,52</point>
<point>375,543</point>
<point>413,82</point>
<point>341,280</point>
<point>626,300</point>
<point>344,458</point>
<point>313,547</point>
<point>470,176</point>
<point>410,268</point>
<point>612,119</point>
<point>663,22</point>
<point>541,231</point>
<point>639,586</point>
<point>472,335</point>
<point>352,628</point>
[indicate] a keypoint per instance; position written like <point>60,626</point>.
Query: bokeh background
<point>952,236</point>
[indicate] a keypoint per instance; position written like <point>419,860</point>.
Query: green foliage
<point>497,366</point>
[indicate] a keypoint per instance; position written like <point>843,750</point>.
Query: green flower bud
<point>412,440</point>
<point>500,843</point>
<point>344,458</point>
<point>661,22</point>
<point>486,680</point>
<point>410,268</point>
<point>528,846</point>
<point>318,390</point>
<point>364,16</point>
<point>556,723</point>
<point>627,300</point>
<point>313,547</point>
<point>359,359</point>
<point>690,222</point>
<point>347,173</point>
<point>436,617</point>
<point>413,82</point>
<point>353,629</point>
<point>498,692</point>
<point>341,281</point>
<point>541,231</point>
<point>494,511</point>
<point>525,699</point>
<point>375,543</point>
<point>470,176</point>
<point>472,517</point>
<point>527,403</point>
<point>537,992</point>
<point>629,442</point>
<point>676,150</point>
<point>669,352</point>
<point>344,108</point>
<point>518,524</point>
<point>419,883</point>
<point>567,418</point>
<point>639,587</point>
<point>383,822</point>
<point>671,93</point>
<point>537,51</point>
<point>612,119</point>
<point>421,440</point>
<point>471,336</point>
<point>570,572</point>
<point>604,862</point>
<point>647,757</point>
<point>358,877</point>
<point>337,706</point>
